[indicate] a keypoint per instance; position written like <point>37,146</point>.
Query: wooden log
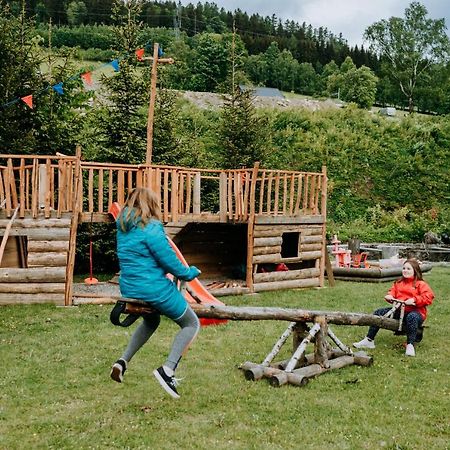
<point>44,234</point>
<point>292,315</point>
<point>79,300</point>
<point>276,348</point>
<point>302,347</point>
<point>238,290</point>
<point>34,274</point>
<point>362,359</point>
<point>320,344</point>
<point>289,275</point>
<point>305,229</point>
<point>260,259</point>
<point>77,202</point>
<point>12,299</point>
<point>304,219</point>
<point>267,250</point>
<point>265,242</point>
<point>298,376</point>
<point>329,269</point>
<point>32,288</point>
<point>47,259</point>
<point>310,247</point>
<point>323,211</point>
<point>310,239</point>
<point>7,232</point>
<point>223,197</point>
<point>48,246</point>
<point>253,372</point>
<point>287,284</point>
<point>38,223</point>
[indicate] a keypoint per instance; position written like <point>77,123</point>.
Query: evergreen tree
<point>121,123</point>
<point>242,139</point>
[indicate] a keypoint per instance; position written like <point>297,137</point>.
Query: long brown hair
<point>416,267</point>
<point>140,206</point>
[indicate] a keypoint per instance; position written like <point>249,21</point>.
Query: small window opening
<point>289,245</point>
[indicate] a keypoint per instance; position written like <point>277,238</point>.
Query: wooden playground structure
<point>256,218</point>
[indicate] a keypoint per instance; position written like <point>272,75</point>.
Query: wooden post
<point>323,212</point>
<point>250,228</point>
<point>196,194</point>
<point>6,234</point>
<point>151,108</point>
<point>73,230</point>
<point>320,344</point>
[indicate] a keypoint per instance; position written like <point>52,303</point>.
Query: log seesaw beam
<point>292,315</point>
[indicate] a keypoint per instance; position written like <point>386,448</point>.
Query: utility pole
<point>151,108</point>
<point>177,21</point>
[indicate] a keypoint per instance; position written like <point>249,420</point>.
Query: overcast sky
<point>349,17</point>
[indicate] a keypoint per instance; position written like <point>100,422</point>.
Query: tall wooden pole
<point>151,108</point>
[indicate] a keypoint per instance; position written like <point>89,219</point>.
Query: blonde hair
<point>140,206</point>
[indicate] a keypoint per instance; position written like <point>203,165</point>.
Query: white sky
<point>349,17</point>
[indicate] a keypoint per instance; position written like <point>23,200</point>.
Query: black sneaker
<point>168,383</point>
<point>118,369</point>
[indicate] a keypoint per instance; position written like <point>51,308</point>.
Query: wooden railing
<point>190,193</point>
<point>47,184</point>
<point>37,184</point>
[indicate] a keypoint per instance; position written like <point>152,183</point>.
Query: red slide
<point>196,293</point>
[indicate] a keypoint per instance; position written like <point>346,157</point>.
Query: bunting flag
<point>139,53</point>
<point>58,88</point>
<point>28,100</point>
<point>87,78</point>
<point>115,64</point>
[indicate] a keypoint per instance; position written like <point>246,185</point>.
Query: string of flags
<point>86,77</point>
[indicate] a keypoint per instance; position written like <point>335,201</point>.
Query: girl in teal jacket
<point>145,258</point>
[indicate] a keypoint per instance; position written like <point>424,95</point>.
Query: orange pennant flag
<point>140,53</point>
<point>28,100</point>
<point>86,77</point>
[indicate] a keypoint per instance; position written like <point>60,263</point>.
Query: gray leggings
<point>189,325</point>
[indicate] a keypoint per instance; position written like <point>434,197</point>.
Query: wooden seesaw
<point>300,367</point>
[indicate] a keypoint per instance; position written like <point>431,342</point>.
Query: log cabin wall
<point>299,246</point>
<point>37,271</point>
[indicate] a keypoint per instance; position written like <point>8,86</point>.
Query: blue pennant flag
<point>58,88</point>
<point>115,64</point>
<point>160,52</point>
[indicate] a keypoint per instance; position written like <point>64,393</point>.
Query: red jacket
<point>416,289</point>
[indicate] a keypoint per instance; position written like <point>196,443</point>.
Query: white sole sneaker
<point>362,344</point>
<point>164,385</point>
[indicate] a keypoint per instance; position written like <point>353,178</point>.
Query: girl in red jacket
<point>416,294</point>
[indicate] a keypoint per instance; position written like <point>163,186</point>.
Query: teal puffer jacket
<point>145,257</point>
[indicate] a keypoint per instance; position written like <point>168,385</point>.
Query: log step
<point>28,299</point>
<point>33,275</point>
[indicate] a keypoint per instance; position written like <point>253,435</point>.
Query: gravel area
<point>209,100</point>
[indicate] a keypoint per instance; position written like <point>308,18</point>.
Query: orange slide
<point>196,293</point>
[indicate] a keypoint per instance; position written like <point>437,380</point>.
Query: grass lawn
<point>56,391</point>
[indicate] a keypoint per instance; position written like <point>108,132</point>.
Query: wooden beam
<point>293,315</point>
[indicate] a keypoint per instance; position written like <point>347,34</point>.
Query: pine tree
<point>241,132</point>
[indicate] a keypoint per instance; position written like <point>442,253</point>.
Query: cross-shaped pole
<point>151,109</point>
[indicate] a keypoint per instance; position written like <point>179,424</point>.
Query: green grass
<point>56,393</point>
